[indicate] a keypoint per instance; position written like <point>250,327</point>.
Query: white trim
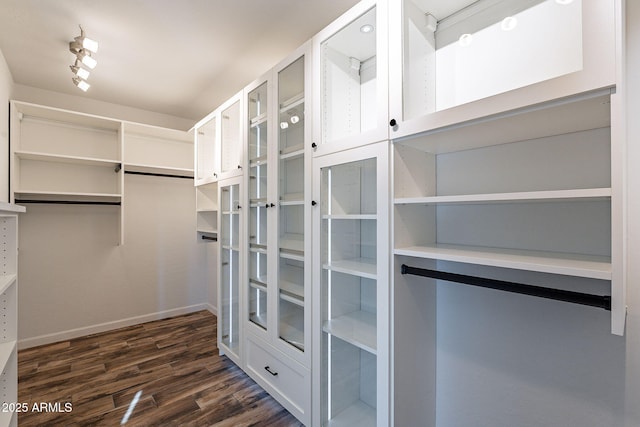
<point>109,326</point>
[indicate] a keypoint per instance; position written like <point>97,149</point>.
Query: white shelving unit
<point>9,307</point>
<point>67,157</point>
<point>232,136</point>
<point>351,294</point>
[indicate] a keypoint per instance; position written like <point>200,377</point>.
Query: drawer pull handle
<point>266,368</point>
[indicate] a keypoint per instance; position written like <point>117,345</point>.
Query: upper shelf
<point>526,196</point>
<point>45,157</point>
<point>583,112</point>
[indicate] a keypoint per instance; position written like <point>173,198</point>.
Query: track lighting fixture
<point>82,47</point>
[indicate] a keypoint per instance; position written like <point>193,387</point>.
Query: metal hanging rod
<point>213,239</point>
<point>66,202</point>
<point>166,175</point>
<point>601,301</point>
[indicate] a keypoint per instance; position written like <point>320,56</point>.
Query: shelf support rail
<point>600,301</point>
<point>166,175</point>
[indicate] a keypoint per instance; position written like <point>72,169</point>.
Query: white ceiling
<point>177,57</point>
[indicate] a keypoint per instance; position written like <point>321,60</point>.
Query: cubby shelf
<point>48,157</point>
<point>351,216</point>
<point>358,414</point>
<point>296,290</point>
<point>67,196</point>
<point>158,170</point>
<point>292,102</point>
<point>357,328</point>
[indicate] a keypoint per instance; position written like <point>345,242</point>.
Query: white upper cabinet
<point>207,149</point>
<point>231,136</point>
<point>454,61</point>
<point>351,79</point>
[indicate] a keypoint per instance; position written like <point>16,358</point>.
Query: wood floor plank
<point>161,373</point>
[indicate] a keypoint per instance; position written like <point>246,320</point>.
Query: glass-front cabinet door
<point>229,272</point>
<point>258,143</point>
<point>350,79</point>
<point>351,287</point>
<point>293,193</point>
<point>453,61</point>
<point>206,150</point>
<point>231,136</point>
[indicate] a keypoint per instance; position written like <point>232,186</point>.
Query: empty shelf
<point>358,414</point>
<point>362,267</point>
<point>357,328</point>
<point>526,196</point>
<point>594,267</point>
<point>6,281</point>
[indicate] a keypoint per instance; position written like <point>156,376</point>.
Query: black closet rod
<point>166,175</point>
<point>601,301</point>
<point>213,239</point>
<point>66,202</point>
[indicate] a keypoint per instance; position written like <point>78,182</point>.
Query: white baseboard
<point>108,326</point>
<point>212,309</point>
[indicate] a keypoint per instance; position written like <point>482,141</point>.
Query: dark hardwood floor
<point>162,373</point>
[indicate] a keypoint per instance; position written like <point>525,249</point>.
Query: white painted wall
<point>75,279</point>
<point>6,88</point>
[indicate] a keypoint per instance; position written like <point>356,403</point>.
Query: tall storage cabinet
<point>351,294</point>
<point>230,311</point>
<point>278,318</point>
<point>9,305</point>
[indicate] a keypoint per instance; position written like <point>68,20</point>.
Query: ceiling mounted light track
<point>82,47</point>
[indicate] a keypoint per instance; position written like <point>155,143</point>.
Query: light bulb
<point>509,23</point>
<point>465,40</point>
<point>89,61</point>
<point>284,125</point>
<point>90,45</point>
<point>366,28</point>
<point>82,85</point>
<point>79,71</point>
<point>294,119</point>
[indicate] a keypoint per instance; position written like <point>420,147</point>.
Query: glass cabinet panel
<point>257,149</point>
<point>349,98</point>
<point>458,52</point>
<point>231,137</point>
<point>229,293</point>
<point>291,262</point>
<point>349,288</point>
<point>206,151</point>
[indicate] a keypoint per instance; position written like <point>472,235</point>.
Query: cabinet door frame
<point>241,154</point>
<point>381,131</point>
<point>215,117</point>
<point>380,151</point>
<point>304,51</point>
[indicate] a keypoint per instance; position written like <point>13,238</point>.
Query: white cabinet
<point>278,316</point>
<point>451,62</point>
<point>207,149</point>
<point>350,79</point>
<point>230,239</point>
<point>231,136</point>
<point>351,288</point>
<point>59,155</point>
<point>9,308</point>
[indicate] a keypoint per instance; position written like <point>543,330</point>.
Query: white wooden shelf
<point>259,283</point>
<point>358,414</point>
<point>292,242</point>
<point>291,199</point>
<point>258,161</point>
<point>292,335</point>
<point>231,248</point>
<point>6,281</point>
<point>57,158</point>
<point>68,196</point>
<point>357,328</point>
<point>526,196</point>
<point>206,210</point>
<point>137,167</point>
<point>292,102</point>
<point>587,266</point>
<point>292,292</point>
<point>362,267</point>
<point>207,230</point>
<point>292,154</point>
<point>351,216</point>
<point>258,120</point>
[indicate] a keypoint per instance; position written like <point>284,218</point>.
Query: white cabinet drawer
<point>284,378</point>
